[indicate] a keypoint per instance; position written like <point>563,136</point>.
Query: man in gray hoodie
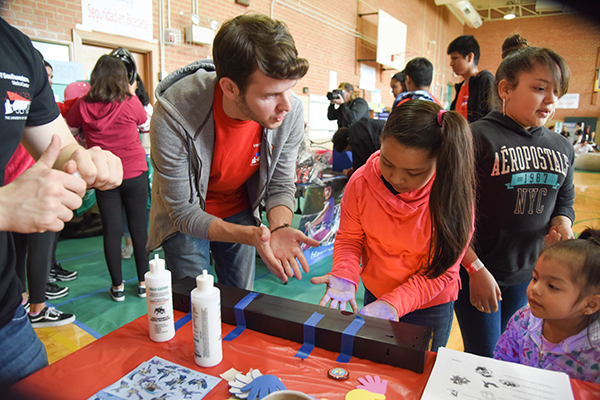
<point>224,142</point>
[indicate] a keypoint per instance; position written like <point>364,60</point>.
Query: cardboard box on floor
<point>383,341</point>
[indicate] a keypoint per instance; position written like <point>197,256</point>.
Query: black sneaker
<point>58,272</point>
<point>53,291</point>
<point>26,306</point>
<point>142,291</point>
<point>50,317</point>
<point>117,294</point>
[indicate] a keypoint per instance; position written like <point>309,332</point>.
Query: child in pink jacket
<point>406,220</point>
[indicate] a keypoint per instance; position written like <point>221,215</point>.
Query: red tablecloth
<point>105,361</point>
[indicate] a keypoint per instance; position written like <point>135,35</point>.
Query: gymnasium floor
<point>97,314</point>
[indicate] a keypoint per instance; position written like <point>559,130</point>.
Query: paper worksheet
<point>458,375</point>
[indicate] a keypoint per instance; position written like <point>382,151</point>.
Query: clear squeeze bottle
<point>159,299</point>
<point>206,320</point>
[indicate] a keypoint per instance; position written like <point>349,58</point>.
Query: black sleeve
<point>357,109</point>
<point>43,106</point>
<point>482,108</point>
<point>453,104</point>
<point>332,112</point>
<point>566,194</point>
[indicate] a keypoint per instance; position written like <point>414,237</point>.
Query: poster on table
<point>459,375</point>
<point>159,379</point>
<point>321,216</point>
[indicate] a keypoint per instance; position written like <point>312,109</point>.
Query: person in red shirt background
<point>473,93</point>
<point>109,116</point>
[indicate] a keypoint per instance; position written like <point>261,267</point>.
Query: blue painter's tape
<point>183,320</point>
<point>309,335</point>
<point>348,339</point>
<point>240,320</point>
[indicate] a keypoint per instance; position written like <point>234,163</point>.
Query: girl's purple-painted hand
<point>380,309</point>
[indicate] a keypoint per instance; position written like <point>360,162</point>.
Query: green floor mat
<point>88,296</point>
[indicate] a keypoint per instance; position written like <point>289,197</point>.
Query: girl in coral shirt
<point>406,220</point>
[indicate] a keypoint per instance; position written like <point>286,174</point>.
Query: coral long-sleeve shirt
<point>391,234</point>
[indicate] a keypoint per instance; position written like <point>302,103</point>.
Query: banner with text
<point>132,18</point>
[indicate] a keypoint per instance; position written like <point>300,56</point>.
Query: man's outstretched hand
<point>281,251</point>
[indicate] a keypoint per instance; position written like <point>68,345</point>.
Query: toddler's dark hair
<point>582,256</point>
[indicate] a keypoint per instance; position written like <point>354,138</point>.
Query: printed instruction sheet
<point>458,375</point>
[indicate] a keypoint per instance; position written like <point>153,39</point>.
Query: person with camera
<point>350,108</point>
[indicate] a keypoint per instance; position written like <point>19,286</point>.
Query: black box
<point>383,341</point>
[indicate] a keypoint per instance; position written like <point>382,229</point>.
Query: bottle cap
<point>338,374</point>
<point>157,264</point>
<point>205,281</point>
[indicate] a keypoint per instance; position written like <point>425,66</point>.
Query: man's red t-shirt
<point>236,157</point>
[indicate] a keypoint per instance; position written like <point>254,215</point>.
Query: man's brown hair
<point>252,41</point>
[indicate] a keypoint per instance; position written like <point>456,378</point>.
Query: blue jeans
<point>234,263</point>
<point>437,317</point>
<point>22,352</point>
<point>481,331</point>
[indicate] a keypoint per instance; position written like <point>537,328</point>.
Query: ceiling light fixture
<point>511,12</point>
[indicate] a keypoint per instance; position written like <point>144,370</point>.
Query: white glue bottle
<point>159,300</point>
<point>206,320</point>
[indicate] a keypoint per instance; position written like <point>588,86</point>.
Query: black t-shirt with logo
<point>27,101</point>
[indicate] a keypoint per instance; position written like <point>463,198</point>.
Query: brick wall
<point>48,19</point>
<point>574,38</point>
<point>322,38</point>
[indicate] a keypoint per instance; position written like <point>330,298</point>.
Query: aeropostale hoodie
<point>525,178</point>
<point>391,235</point>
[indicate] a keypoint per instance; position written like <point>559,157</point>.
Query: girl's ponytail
<point>453,193</point>
<point>420,124</point>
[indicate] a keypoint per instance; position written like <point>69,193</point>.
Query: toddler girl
<point>559,329</point>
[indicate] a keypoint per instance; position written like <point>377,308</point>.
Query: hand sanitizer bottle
<point>159,299</point>
<point>206,320</point>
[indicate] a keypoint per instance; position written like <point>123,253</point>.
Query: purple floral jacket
<point>578,355</point>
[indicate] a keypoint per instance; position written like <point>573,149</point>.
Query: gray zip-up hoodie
<point>182,134</point>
